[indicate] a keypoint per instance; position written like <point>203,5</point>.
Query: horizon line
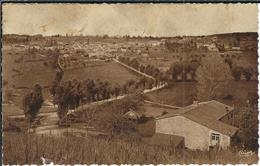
<point>122,36</point>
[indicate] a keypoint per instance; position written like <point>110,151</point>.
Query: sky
<point>129,19</point>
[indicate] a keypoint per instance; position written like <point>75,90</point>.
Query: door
<point>215,139</point>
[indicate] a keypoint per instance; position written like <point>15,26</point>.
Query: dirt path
<point>131,68</point>
<point>82,107</point>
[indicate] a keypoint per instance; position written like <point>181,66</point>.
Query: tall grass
<point>28,148</point>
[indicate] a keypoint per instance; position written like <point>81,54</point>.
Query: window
<point>215,137</point>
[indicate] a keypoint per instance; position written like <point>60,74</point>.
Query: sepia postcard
<point>129,83</point>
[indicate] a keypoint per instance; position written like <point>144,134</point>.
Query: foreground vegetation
<point>109,117</point>
<point>28,149</point>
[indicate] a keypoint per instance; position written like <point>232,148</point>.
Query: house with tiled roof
<point>200,125</point>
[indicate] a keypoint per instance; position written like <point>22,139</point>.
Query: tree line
<point>239,70</point>
<point>186,70</point>
<point>176,70</point>
<point>149,69</point>
<point>73,93</point>
<point>183,70</point>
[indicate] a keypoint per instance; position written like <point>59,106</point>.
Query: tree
<point>150,83</point>
<point>229,62</point>
<point>237,72</point>
<point>99,89</point>
<point>54,55</point>
<point>67,96</point>
<point>142,68</point>
<point>143,81</point>
<point>194,64</point>
<point>246,120</point>
<point>117,90</point>
<point>149,69</point>
<point>248,73</point>
<point>32,102</point>
<point>76,93</point>
<point>53,87</point>
<point>213,77</point>
<point>156,72</point>
<point>59,74</point>
<point>135,64</point>
<point>130,82</point>
<point>175,70</point>
<point>125,88</point>
<point>89,90</point>
<point>106,90</point>
<point>130,85</point>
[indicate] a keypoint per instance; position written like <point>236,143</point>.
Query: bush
<point>109,116</point>
<point>123,125</point>
<point>32,102</point>
<point>237,72</point>
<point>248,73</point>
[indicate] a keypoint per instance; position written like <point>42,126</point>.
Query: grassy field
<point>177,94</point>
<point>112,72</point>
<point>184,93</point>
<point>43,75</point>
<point>28,149</point>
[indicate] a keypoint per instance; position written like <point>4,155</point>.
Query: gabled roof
<point>131,115</point>
<point>215,125</point>
<point>180,111</point>
<point>208,114</point>
<point>211,110</point>
<point>151,109</point>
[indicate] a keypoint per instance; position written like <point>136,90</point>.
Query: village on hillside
<point>153,92</point>
<point>137,83</point>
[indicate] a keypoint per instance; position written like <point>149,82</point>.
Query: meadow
<point>112,72</point>
<point>176,94</point>
<point>21,148</point>
<point>184,93</point>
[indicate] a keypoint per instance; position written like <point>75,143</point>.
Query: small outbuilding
<point>132,115</point>
<point>200,125</point>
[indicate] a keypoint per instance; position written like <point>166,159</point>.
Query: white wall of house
<point>196,136</point>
